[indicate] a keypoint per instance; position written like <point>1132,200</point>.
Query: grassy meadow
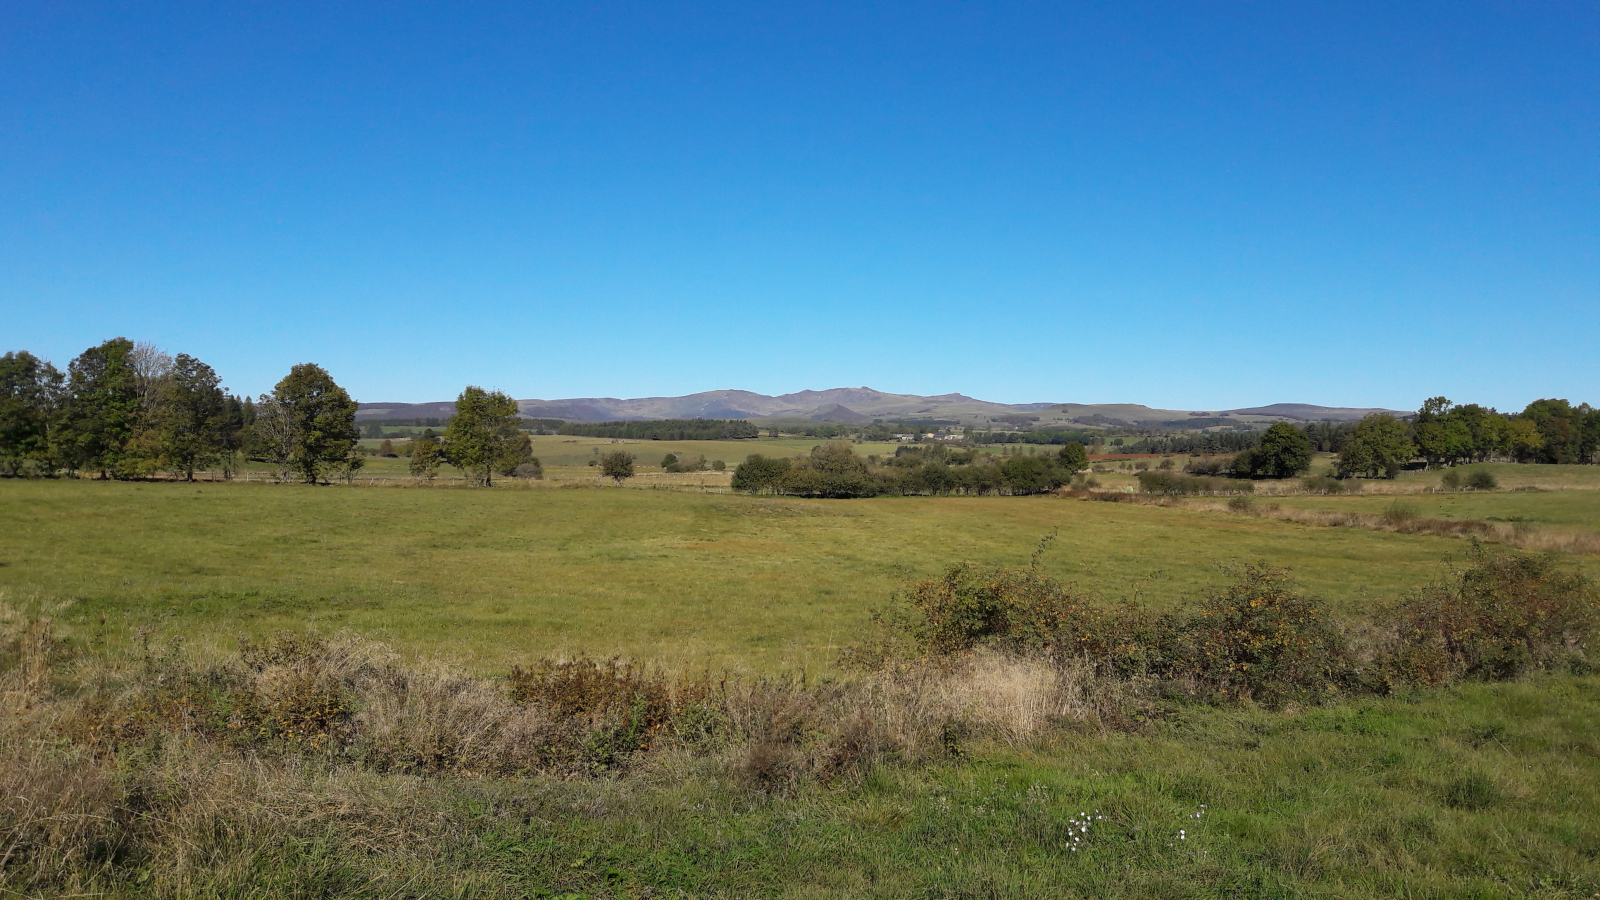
<point>1474,790</point>
<point>492,577</point>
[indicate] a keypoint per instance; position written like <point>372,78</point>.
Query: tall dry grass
<point>184,769</point>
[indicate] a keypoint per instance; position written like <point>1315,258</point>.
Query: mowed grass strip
<point>491,577</point>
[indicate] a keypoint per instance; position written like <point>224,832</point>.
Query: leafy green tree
<point>426,455</point>
<point>668,460</point>
<point>191,420</point>
<point>102,412</point>
<point>30,390</point>
<point>760,473</point>
<point>617,466</point>
<point>482,436</point>
<point>1283,452</point>
<point>1561,426</point>
<point>518,459</point>
<point>1441,435</point>
<point>1074,457</point>
<point>1489,430</point>
<point>321,418</point>
<point>1524,440</point>
<point>1031,475</point>
<point>1379,445</point>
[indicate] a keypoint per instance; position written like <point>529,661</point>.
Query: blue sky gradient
<point>1187,205</point>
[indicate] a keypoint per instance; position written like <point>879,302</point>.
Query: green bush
<point>1258,639</point>
<point>1451,479</point>
<point>1401,511</point>
<point>1482,480</point>
<point>1500,616</point>
<point>1321,484</point>
<point>969,605</point>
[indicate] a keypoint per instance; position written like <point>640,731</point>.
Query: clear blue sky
<point>1189,205</point>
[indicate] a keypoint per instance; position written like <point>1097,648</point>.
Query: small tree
<point>426,455</point>
<point>323,420</point>
<point>386,448</point>
<point>272,435</point>
<point>1074,457</point>
<point>483,433</point>
<point>617,466</point>
<point>517,457</point>
<point>1283,452</point>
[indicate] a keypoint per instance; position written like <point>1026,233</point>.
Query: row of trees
<point>834,470</point>
<point>125,410</point>
<point>1444,434</point>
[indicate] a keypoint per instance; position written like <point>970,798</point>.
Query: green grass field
<point>490,577</point>
<point>566,459</point>
<point>1477,790</point>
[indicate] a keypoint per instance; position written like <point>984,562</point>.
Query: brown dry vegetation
<point>183,772</point>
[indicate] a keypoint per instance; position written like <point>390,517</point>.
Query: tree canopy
<point>482,438</point>
<point>319,418</point>
<point>1379,445</point>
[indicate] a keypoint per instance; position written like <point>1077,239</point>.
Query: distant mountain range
<point>863,404</point>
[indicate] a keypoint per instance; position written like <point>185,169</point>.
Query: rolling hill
<point>863,404</point>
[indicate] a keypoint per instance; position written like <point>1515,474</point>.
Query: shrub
<point>1259,639</point>
<point>697,464</point>
<point>529,469</point>
<point>718,465</point>
<point>1321,484</point>
<point>969,605</point>
<point>1208,465</point>
<point>1500,616</point>
<point>1482,480</point>
<point>1451,479</point>
<point>1240,504</point>
<point>1400,511</point>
